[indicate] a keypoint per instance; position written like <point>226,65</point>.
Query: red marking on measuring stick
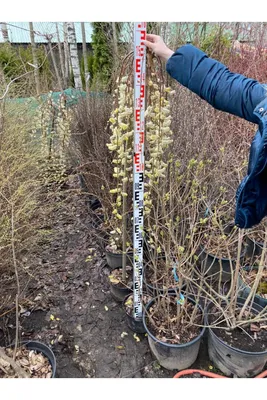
<point>138,162</point>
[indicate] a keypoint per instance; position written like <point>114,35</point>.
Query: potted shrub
<point>237,333</point>
<point>115,255</point>
<point>128,305</point>
<point>217,254</point>
<point>121,146</point>
<point>175,326</point>
<point>234,349</point>
<point>255,240</point>
<point>32,360</point>
<point>248,276</point>
<point>121,286</point>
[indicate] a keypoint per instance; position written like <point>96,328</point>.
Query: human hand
<point>156,44</point>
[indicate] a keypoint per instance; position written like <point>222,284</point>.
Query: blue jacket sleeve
<point>213,82</point>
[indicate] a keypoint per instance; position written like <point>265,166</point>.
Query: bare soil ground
<point>68,306</point>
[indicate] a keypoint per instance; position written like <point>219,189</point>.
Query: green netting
<point>71,95</point>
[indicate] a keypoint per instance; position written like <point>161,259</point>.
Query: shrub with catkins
<point>121,146</point>
<point>158,137</point>
<point>52,128</point>
<point>157,140</point>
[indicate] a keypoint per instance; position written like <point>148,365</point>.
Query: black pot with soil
<point>120,288</point>
<point>33,358</point>
<point>114,260</point>
<point>218,268</point>
<point>169,354</point>
<point>254,248</point>
<point>236,353</point>
<point>248,274</point>
<point>199,288</point>
<point>136,325</point>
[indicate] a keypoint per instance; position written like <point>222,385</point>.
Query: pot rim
<point>245,285</point>
<point>124,307</point>
<point>234,349</point>
<point>118,254</point>
<point>242,255</point>
<point>255,241</point>
<point>123,302</point>
<point>183,345</point>
<point>116,285</point>
<point>52,358</point>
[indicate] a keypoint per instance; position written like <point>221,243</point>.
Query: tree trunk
<point>5,32</point>
<point>86,72</point>
<point>237,31</point>
<point>74,55</point>
<point>196,34</point>
<point>204,30</point>
<point>35,61</point>
<point>66,56</point>
<point>60,55</point>
<point>115,44</point>
<point>55,64</point>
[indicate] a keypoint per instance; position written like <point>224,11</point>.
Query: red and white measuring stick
<point>138,162</point>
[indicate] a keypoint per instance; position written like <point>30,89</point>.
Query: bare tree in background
<point>74,55</point>
<point>5,32</point>
<point>66,54</point>
<point>61,59</point>
<point>35,60</point>
<point>196,33</point>
<point>115,42</point>
<point>49,38</point>
<point>86,71</point>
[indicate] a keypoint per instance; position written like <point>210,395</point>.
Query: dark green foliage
<point>102,48</point>
<point>217,44</point>
<point>14,61</point>
<point>101,65</point>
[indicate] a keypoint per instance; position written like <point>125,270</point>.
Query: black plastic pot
<point>215,267</point>
<point>82,183</point>
<point>134,324</point>
<point>102,239</point>
<point>92,202</point>
<point>254,248</point>
<point>119,292</point>
<point>45,350</point>
<point>173,356</point>
<point>95,204</point>
<point>97,219</point>
<point>230,360</point>
<point>114,260</point>
<point>245,289</point>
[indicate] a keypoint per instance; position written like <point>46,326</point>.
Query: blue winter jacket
<point>238,95</point>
